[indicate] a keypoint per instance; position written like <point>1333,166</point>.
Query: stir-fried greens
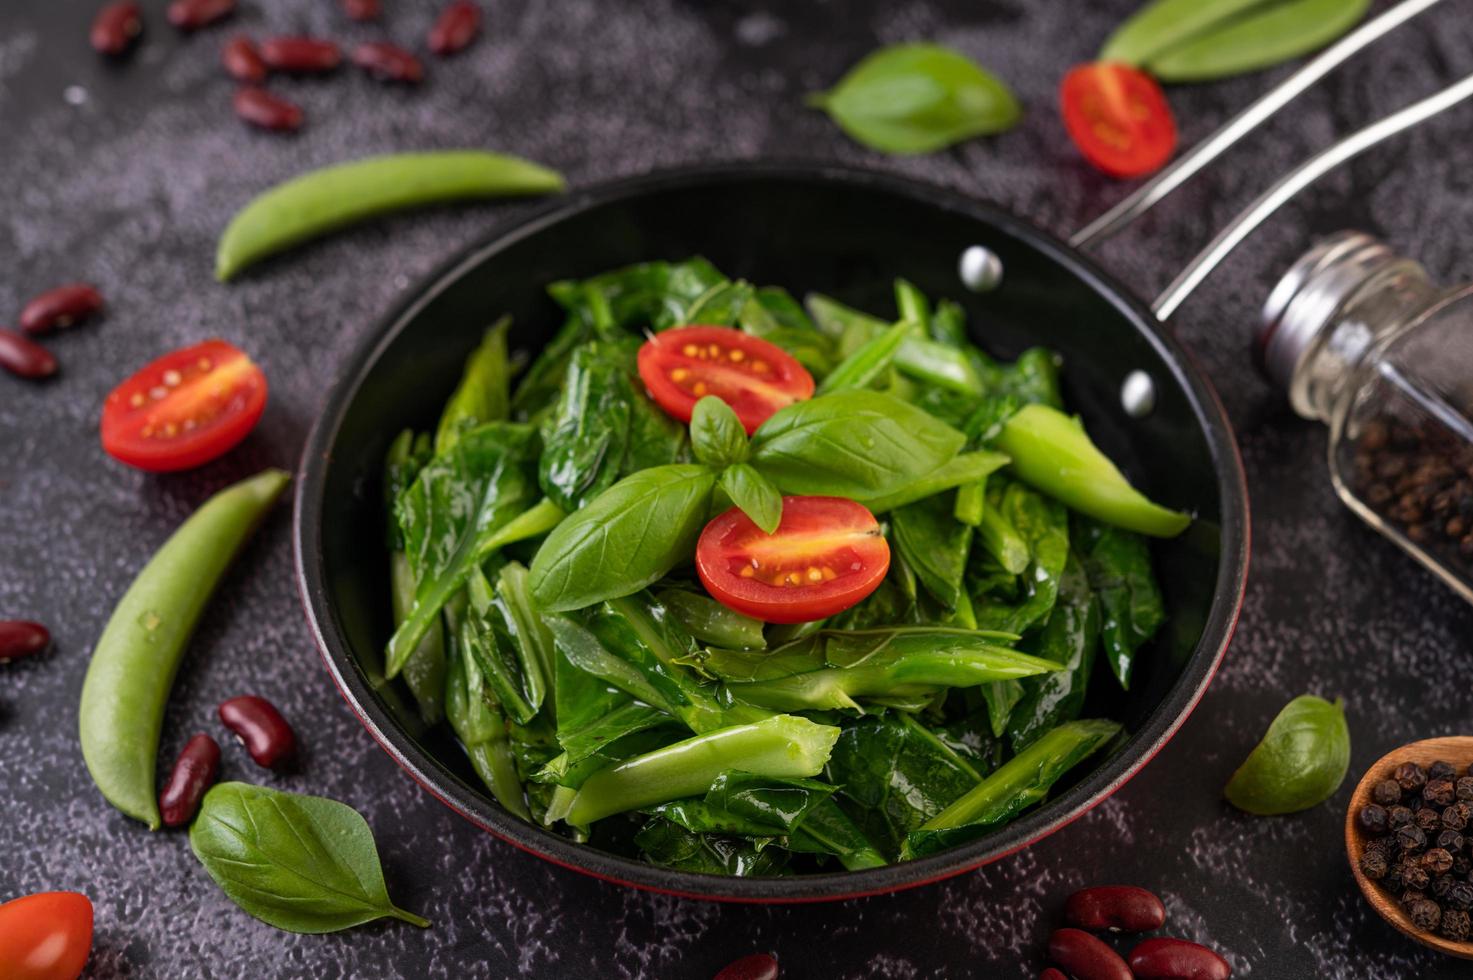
<point>600,669</point>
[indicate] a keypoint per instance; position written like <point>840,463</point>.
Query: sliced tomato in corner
<point>1118,117</point>
<point>827,554</point>
<point>184,409</point>
<point>684,365</point>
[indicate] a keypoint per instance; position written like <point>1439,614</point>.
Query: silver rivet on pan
<point>1138,394</point>
<point>980,269</point>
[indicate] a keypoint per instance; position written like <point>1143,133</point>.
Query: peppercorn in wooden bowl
<point>1409,806</point>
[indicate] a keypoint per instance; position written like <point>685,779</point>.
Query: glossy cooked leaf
<point>628,730</point>
<point>716,434</point>
<point>484,392</point>
<point>669,845</point>
<point>1118,564</point>
<point>1044,525</point>
<point>583,664</point>
<point>916,98</point>
<point>624,539</point>
<point>745,803</point>
<point>587,433</point>
<point>406,456</point>
<point>722,305</point>
<point>299,863</point>
<point>754,494</point>
<point>828,830</point>
<point>1300,763</point>
<point>935,545</point>
<point>1070,637</point>
<point>856,444</point>
<point>710,622</point>
<point>921,358</point>
<point>654,295</point>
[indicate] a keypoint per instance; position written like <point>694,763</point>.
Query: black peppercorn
<point>1398,816</point>
<point>1411,839</point>
<point>1462,865</point>
<point>1387,792</point>
<point>1373,865</point>
<point>1437,861</point>
<point>1451,841</point>
<point>1460,895</point>
<point>1438,792</point>
<point>1455,925</point>
<point>1440,770</point>
<point>1463,788</point>
<point>1415,876</point>
<point>1457,816</point>
<point>1428,819</point>
<point>1440,886</point>
<point>1372,819</point>
<point>1425,915</point>
<point>1410,776</point>
<point>1410,896</point>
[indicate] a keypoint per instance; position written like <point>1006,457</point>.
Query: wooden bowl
<point>1457,750</point>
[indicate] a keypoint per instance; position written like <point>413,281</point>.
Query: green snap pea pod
<point>1164,24</point>
<point>324,200</point>
<point>1257,39</point>
<point>919,357</point>
<point>971,502</point>
<point>134,663</point>
<point>868,360</point>
<point>1052,453</point>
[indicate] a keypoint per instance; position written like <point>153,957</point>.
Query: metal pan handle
<point>1184,168</point>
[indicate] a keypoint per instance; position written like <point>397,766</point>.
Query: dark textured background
<point>125,174</point>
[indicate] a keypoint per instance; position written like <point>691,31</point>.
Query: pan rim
<point>1096,786</point>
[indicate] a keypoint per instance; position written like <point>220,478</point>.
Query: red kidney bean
<point>1118,908</point>
<point>260,727</point>
<point>24,357</point>
<point>758,966</point>
<point>456,27</point>
<point>260,108</point>
<point>60,307</point>
<point>1177,959</point>
<point>388,62</point>
<point>191,15</point>
<point>116,27</point>
<point>242,61</point>
<point>301,55</point>
<point>362,10</point>
<point>1052,974</point>
<point>194,773</point>
<point>1085,957</point>
<point>20,638</point>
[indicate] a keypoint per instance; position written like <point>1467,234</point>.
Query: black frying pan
<point>849,234</point>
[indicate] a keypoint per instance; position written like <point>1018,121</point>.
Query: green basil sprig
<point>716,434</point>
<point>917,98</point>
<point>1300,762</point>
<point>299,863</point>
<point>754,494</point>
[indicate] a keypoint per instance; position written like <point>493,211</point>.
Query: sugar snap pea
<point>1261,37</point>
<point>134,663</point>
<point>324,200</point>
<point>1160,26</point>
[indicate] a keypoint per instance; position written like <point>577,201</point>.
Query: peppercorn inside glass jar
<point>1363,341</point>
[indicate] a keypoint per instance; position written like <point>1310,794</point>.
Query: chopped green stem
<point>919,357</point>
<point>971,501</point>
<point>1003,541</point>
<point>872,357</point>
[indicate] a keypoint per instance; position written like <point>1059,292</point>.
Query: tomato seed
<point>1085,957</point>
<point>388,62</point>
<point>116,27</point>
<point>193,773</point>
<point>260,108</point>
<point>1123,908</point>
<point>242,61</point>
<point>301,55</point>
<point>260,727</point>
<point>758,966</point>
<point>362,10</point>
<point>24,357</point>
<point>1170,959</point>
<point>191,15</point>
<point>21,638</point>
<point>456,27</point>
<point>60,307</point>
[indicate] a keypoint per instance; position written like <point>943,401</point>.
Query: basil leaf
<point>1300,762</point>
<point>716,434</point>
<point>627,537</point>
<point>856,444</point>
<point>916,98</point>
<point>299,863</point>
<point>754,494</point>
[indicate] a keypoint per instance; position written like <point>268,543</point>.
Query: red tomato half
<point>684,365</point>
<point>184,409</point>
<point>45,937</point>
<point>1118,117</point>
<point>826,554</point>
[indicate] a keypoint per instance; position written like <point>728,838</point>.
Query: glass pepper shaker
<point>1365,342</point>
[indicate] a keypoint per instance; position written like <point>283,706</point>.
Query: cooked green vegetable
<point>135,660</point>
<point>1300,762</point>
<point>299,863</point>
<point>330,198</point>
<point>484,392</point>
<point>916,98</point>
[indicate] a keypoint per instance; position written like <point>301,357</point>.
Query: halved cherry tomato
<point>184,409</point>
<point>826,554</point>
<point>47,936</point>
<point>1118,117</point>
<point>684,365</point>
